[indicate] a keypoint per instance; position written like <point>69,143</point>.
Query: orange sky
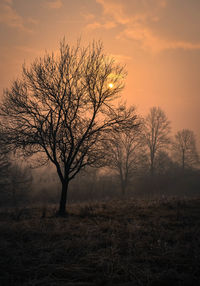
<point>158,40</point>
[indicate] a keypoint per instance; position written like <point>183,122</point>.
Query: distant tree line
<point>150,147</point>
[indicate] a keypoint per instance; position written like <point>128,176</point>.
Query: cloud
<point>149,41</point>
<point>121,58</point>
<point>54,4</point>
<point>9,17</point>
<point>8,1</point>
<point>32,21</point>
<point>98,25</point>
<point>162,3</point>
<point>94,24</point>
<point>115,9</point>
<point>140,21</point>
<point>129,11</point>
<point>88,16</point>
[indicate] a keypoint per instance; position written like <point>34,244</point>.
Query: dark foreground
<point>115,243</point>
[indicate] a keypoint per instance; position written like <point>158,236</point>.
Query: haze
<point>158,40</point>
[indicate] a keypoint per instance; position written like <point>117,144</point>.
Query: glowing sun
<point>110,85</point>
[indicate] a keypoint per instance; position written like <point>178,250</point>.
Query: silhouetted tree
<point>122,149</point>
<point>184,148</point>
<point>61,108</point>
<point>156,133</point>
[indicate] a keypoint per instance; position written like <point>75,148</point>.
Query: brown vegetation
<point>113,243</point>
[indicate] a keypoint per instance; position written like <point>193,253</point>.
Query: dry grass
<point>113,243</point>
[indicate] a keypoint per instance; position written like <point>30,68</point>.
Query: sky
<point>158,40</point>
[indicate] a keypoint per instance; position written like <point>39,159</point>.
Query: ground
<point>122,242</point>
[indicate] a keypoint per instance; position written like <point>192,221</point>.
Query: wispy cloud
<point>98,25</point>
<point>88,16</point>
<point>121,58</point>
<point>149,41</point>
<point>135,19</point>
<point>54,4</point>
<point>9,17</point>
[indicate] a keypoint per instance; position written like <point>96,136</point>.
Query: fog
<point>102,184</point>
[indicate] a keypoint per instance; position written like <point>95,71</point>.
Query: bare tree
<point>156,134</point>
<point>122,149</point>
<point>61,107</point>
<point>184,148</point>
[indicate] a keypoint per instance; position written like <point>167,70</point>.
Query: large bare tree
<point>184,148</point>
<point>61,107</point>
<point>156,134</point>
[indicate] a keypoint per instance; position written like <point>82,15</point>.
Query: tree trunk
<point>63,199</point>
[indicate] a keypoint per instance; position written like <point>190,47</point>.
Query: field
<point>125,242</point>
